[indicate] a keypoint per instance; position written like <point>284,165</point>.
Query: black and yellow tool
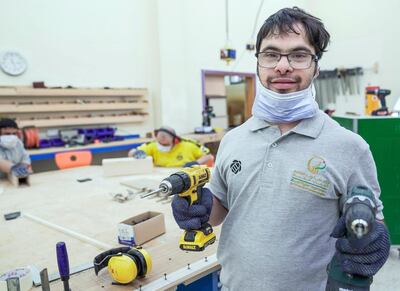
<point>125,264</point>
<point>187,183</point>
<point>359,211</point>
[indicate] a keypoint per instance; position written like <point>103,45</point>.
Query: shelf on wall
<point>27,108</point>
<point>46,108</point>
<point>71,92</point>
<point>61,122</point>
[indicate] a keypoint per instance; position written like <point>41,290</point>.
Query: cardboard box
<point>141,228</point>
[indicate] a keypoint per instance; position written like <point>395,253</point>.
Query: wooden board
<point>86,208</point>
<point>142,184</point>
<point>205,138</point>
<point>127,166</point>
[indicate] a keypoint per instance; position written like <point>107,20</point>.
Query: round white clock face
<point>13,63</point>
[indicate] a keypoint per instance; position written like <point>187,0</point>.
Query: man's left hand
<point>368,256</point>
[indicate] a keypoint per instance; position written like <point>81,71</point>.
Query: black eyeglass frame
<point>314,58</point>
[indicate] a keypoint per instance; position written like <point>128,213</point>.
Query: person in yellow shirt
<point>170,150</point>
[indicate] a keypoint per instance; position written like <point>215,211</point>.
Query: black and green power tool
<point>359,211</point>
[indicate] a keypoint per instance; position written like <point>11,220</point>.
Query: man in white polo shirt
<point>280,177</point>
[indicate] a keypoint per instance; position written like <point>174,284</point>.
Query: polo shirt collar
<point>257,124</point>
<point>309,127</point>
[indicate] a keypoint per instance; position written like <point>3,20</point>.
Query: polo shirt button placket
<point>269,165</point>
<point>274,145</point>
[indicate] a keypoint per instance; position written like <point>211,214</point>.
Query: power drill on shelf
<point>187,183</point>
<point>359,211</point>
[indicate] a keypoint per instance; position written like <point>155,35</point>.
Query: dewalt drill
<point>359,211</point>
<point>187,183</point>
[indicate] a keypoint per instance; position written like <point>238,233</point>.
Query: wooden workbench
<point>87,208</point>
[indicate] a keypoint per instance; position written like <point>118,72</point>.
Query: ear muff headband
<point>124,263</point>
<point>101,260</point>
<point>177,139</point>
<point>144,260</point>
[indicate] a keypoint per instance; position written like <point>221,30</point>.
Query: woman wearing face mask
<point>13,157</point>
<point>170,150</point>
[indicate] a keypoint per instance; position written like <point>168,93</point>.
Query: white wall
<point>164,44</point>
<point>191,35</point>
<point>362,32</point>
<point>93,43</point>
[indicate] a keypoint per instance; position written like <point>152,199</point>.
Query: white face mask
<point>282,108</point>
<point>163,148</point>
<point>8,141</point>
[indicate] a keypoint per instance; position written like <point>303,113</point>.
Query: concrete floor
<point>388,278</point>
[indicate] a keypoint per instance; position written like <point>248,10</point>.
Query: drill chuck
<point>175,184</point>
<point>166,187</point>
<point>360,215</point>
<point>359,227</point>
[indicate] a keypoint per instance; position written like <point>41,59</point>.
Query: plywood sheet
<point>85,208</point>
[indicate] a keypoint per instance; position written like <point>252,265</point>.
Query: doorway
<point>227,97</point>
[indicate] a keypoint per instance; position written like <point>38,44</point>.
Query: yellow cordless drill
<point>187,183</point>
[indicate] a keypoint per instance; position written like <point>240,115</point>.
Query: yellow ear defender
<point>124,264</point>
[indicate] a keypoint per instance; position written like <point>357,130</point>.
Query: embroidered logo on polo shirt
<point>314,182</point>
<point>236,166</point>
<point>316,165</point>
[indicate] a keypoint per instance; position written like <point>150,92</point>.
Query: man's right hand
<point>20,170</point>
<point>190,217</point>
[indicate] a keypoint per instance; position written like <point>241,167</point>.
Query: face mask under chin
<point>283,108</point>
<point>8,141</point>
<point>163,148</point>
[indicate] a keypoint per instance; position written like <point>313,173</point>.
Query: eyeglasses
<point>297,60</point>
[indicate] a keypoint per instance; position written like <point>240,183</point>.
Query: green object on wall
<point>383,136</point>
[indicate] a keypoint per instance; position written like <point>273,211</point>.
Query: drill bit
<point>151,193</point>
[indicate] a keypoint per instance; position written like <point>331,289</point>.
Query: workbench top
<point>87,208</point>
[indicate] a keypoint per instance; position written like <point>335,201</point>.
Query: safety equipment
<point>282,108</point>
<point>124,264</point>
<point>8,141</point>
<point>170,131</point>
<point>20,170</point>
<point>192,216</point>
<point>163,148</point>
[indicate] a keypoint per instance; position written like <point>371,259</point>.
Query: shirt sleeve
<point>365,174</point>
<point>3,155</point>
<point>25,158</point>
<point>197,151</point>
<point>218,185</point>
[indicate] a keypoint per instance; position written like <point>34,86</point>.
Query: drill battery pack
<point>197,240</point>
